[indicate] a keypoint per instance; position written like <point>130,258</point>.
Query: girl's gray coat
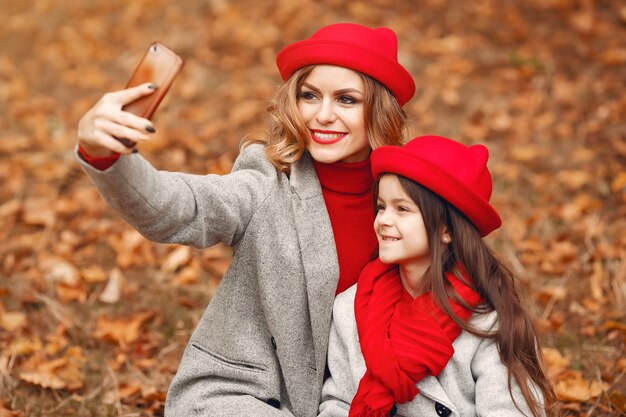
<point>473,383</point>
<point>260,347</point>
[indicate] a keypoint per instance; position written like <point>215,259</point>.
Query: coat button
<point>273,342</point>
<point>274,402</point>
<point>442,410</point>
<point>393,411</point>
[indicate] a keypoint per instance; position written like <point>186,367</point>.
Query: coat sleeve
<point>339,388</point>
<point>492,390</point>
<point>195,210</point>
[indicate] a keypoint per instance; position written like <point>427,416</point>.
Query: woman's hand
<point>106,121</point>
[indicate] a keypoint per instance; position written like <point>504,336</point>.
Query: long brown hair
<point>285,141</point>
<point>516,337</point>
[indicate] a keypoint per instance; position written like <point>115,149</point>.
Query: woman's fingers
<point>113,144</point>
<point>123,97</point>
<point>133,121</point>
<point>121,131</point>
<point>105,121</point>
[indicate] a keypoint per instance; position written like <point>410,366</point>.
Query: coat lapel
<point>318,251</point>
<point>430,388</point>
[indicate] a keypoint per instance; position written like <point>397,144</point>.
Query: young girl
<point>434,326</point>
<point>296,209</point>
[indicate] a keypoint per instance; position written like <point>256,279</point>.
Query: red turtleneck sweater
<point>347,190</point>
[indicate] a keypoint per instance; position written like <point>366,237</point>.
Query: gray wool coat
<point>473,383</point>
<point>260,347</point>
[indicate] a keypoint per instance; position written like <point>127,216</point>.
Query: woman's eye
<point>347,100</point>
<point>380,207</point>
<point>307,95</point>
<point>402,208</point>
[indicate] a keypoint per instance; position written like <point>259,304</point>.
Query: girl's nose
<point>383,219</point>
<point>326,112</point>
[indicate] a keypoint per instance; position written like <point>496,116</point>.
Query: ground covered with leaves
<point>94,318</point>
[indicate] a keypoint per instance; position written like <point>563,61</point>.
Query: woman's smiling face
<point>331,104</point>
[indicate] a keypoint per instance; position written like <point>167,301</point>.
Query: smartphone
<point>160,65</point>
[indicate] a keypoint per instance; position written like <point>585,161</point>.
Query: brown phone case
<point>160,65</point>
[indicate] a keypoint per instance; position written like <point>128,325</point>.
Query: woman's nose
<point>326,112</point>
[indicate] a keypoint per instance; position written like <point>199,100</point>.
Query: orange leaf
<point>525,153</point>
<point>554,362</point>
<point>597,278</point>
<point>619,182</point>
<point>25,347</point>
<point>574,179</point>
<point>94,273</point>
<point>67,293</point>
<point>129,391</point>
<point>189,275</point>
<point>121,331</point>
<point>614,325</point>
<point>573,387</point>
<point>38,212</point>
<point>46,374</point>
<point>59,270</point>
<point>13,320</point>
<point>177,258</point>
<point>113,290</point>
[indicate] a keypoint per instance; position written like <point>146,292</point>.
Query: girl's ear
<point>445,236</point>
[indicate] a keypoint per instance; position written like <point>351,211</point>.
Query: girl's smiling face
<point>331,104</point>
<point>399,226</point>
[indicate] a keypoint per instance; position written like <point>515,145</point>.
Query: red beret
<point>373,52</point>
<point>456,172</point>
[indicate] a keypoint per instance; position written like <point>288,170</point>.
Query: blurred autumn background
<point>94,318</point>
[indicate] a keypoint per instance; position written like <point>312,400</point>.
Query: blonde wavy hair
<point>285,141</point>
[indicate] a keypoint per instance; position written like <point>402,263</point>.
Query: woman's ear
<point>445,236</point>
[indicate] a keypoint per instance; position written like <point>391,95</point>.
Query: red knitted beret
<point>456,172</point>
<point>373,52</point>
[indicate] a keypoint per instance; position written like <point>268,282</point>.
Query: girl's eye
<point>402,208</point>
<point>380,207</point>
<point>347,100</point>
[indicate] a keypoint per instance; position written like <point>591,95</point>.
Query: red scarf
<point>402,339</point>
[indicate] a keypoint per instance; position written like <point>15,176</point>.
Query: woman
<point>296,209</point>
